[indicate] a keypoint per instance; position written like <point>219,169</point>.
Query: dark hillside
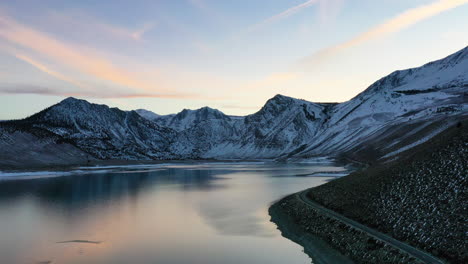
<point>420,199</point>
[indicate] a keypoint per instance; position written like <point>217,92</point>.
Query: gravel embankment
<point>420,200</point>
<point>298,221</point>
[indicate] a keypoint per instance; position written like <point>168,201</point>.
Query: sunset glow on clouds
<point>231,55</point>
<point>393,25</point>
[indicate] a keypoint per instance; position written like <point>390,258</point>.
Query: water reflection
<point>79,191</point>
<point>191,213</point>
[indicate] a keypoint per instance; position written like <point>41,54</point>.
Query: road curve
<point>418,254</point>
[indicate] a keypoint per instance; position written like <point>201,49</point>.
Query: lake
<point>168,213</point>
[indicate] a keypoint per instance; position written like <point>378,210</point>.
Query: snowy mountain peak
<point>405,99</point>
<point>449,72</point>
<point>276,105</point>
<point>201,113</point>
<point>72,101</point>
<point>187,118</point>
<point>282,99</point>
<point>72,106</point>
<point>147,114</point>
<point>285,105</point>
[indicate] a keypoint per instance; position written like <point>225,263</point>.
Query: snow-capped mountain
<point>198,130</point>
<point>189,118</point>
<point>103,132</point>
<point>283,125</point>
<point>405,107</point>
<point>397,112</point>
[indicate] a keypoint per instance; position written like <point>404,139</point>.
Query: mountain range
<point>395,113</point>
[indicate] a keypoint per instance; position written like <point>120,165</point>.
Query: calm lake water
<point>173,213</point>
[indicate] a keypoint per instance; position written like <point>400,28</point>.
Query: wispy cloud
<point>48,71</point>
<point>25,89</point>
<point>83,61</point>
<point>395,24</point>
<point>288,12</point>
<point>78,88</point>
<point>18,88</point>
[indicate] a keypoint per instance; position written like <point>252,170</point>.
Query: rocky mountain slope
<point>421,199</point>
<point>100,131</point>
<point>402,108</point>
<point>395,113</point>
<point>281,126</point>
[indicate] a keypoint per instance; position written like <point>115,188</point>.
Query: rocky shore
<point>318,249</point>
<point>303,225</point>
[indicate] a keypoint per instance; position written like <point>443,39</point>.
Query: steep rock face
<point>105,133</point>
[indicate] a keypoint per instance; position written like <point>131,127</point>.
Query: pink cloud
<point>391,26</point>
<point>83,61</point>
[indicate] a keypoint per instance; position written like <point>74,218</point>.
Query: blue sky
<point>232,55</point>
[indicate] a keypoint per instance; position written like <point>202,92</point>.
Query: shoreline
<point>113,167</point>
<point>305,226</point>
<point>317,249</point>
<point>113,163</point>
<point>117,166</point>
<point>102,164</point>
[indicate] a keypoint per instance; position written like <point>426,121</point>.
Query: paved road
<point>421,255</point>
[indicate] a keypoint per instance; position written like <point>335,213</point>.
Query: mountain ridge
<point>395,112</point>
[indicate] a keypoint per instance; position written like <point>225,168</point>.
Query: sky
<point>167,55</point>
